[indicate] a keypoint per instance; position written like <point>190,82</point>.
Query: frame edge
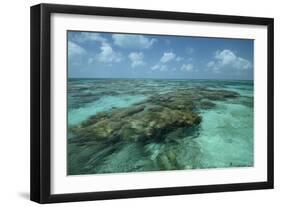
<point>270,103</point>
<point>35,25</point>
<point>40,103</point>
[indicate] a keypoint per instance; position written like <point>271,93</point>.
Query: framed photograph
<point>133,103</point>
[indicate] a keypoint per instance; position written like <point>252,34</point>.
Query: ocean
<point>140,125</point>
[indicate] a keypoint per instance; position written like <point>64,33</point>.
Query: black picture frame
<point>41,98</point>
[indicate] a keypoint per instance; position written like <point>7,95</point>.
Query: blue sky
<point>113,55</point>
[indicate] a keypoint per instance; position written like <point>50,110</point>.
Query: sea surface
<point>222,139</point>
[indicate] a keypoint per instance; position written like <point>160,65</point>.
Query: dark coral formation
<point>151,119</point>
<point>139,122</point>
<point>160,118</point>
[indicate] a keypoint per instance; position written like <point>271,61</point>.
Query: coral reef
<point>159,119</point>
<point>150,119</point>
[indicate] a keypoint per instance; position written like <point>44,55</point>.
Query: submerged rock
<point>136,123</point>
<point>152,127</point>
<point>152,120</point>
<point>207,105</point>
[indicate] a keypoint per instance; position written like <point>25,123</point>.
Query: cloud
<point>89,36</point>
<point>155,67</point>
<point>108,55</point>
<point>167,57</point>
<point>187,67</point>
<point>75,49</point>
<point>211,64</point>
<point>159,66</point>
<point>136,59</point>
<point>227,59</point>
<point>133,41</point>
<point>178,59</point>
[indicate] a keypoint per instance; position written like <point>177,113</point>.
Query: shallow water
<point>224,138</point>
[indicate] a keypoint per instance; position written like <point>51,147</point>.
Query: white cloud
<point>167,57</point>
<point>161,67</point>
<point>187,67</point>
<point>178,59</point>
<point>211,64</point>
<point>89,36</point>
<point>155,67</point>
<point>133,41</point>
<point>164,60</point>
<point>227,59</point>
<point>243,64</point>
<point>108,55</point>
<point>75,49</point>
<point>136,59</point>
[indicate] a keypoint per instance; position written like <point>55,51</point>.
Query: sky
<point>116,55</point>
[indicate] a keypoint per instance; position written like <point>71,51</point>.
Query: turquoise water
<point>105,103</point>
<point>222,139</point>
